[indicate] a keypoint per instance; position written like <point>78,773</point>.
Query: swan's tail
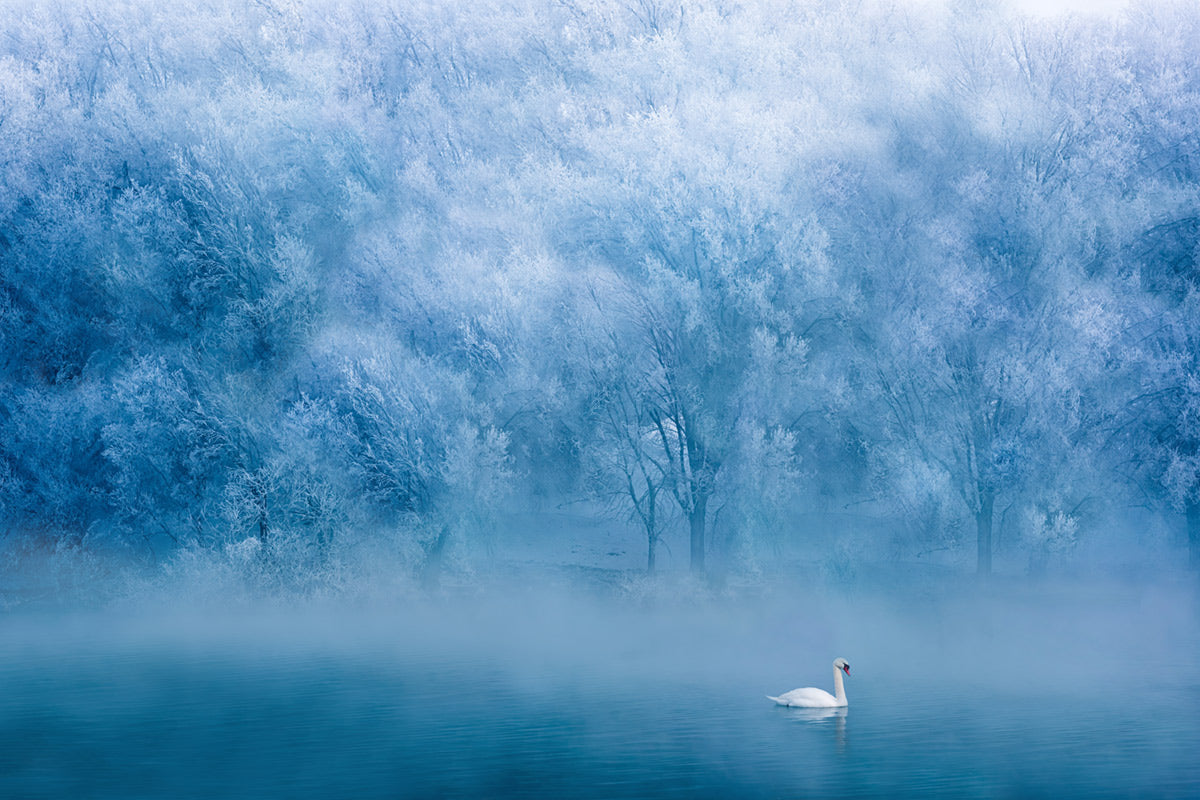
<point>775,700</point>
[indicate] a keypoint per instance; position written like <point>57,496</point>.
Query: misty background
<point>306,296</point>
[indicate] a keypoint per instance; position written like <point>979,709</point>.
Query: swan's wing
<point>807,698</point>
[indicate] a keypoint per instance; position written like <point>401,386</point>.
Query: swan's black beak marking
<point>846,667</point>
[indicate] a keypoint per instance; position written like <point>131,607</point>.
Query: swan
<point>818,698</point>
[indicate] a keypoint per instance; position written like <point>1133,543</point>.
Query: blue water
<point>96,707</point>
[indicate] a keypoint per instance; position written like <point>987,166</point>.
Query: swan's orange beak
<point>846,668</point>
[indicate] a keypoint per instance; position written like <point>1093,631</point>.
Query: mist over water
<point>1075,689</point>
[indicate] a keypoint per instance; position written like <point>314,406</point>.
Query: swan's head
<point>843,665</point>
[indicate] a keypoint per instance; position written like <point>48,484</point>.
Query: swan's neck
<point>839,688</point>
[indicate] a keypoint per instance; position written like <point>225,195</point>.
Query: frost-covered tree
<point>984,332</point>
<point>1156,434</point>
<point>685,188</point>
<point>283,276</point>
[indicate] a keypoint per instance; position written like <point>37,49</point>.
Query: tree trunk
<point>431,570</point>
<point>696,521</point>
<point>651,537</point>
<point>983,533</point>
<point>1193,530</point>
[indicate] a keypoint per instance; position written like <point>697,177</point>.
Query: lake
<point>549,700</point>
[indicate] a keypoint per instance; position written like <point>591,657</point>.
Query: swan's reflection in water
<point>821,716</point>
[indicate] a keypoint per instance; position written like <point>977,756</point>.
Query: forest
<point>300,288</point>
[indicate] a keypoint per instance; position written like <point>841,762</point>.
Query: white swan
<point>818,698</point>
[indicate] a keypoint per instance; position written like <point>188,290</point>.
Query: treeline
<point>280,277</point>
